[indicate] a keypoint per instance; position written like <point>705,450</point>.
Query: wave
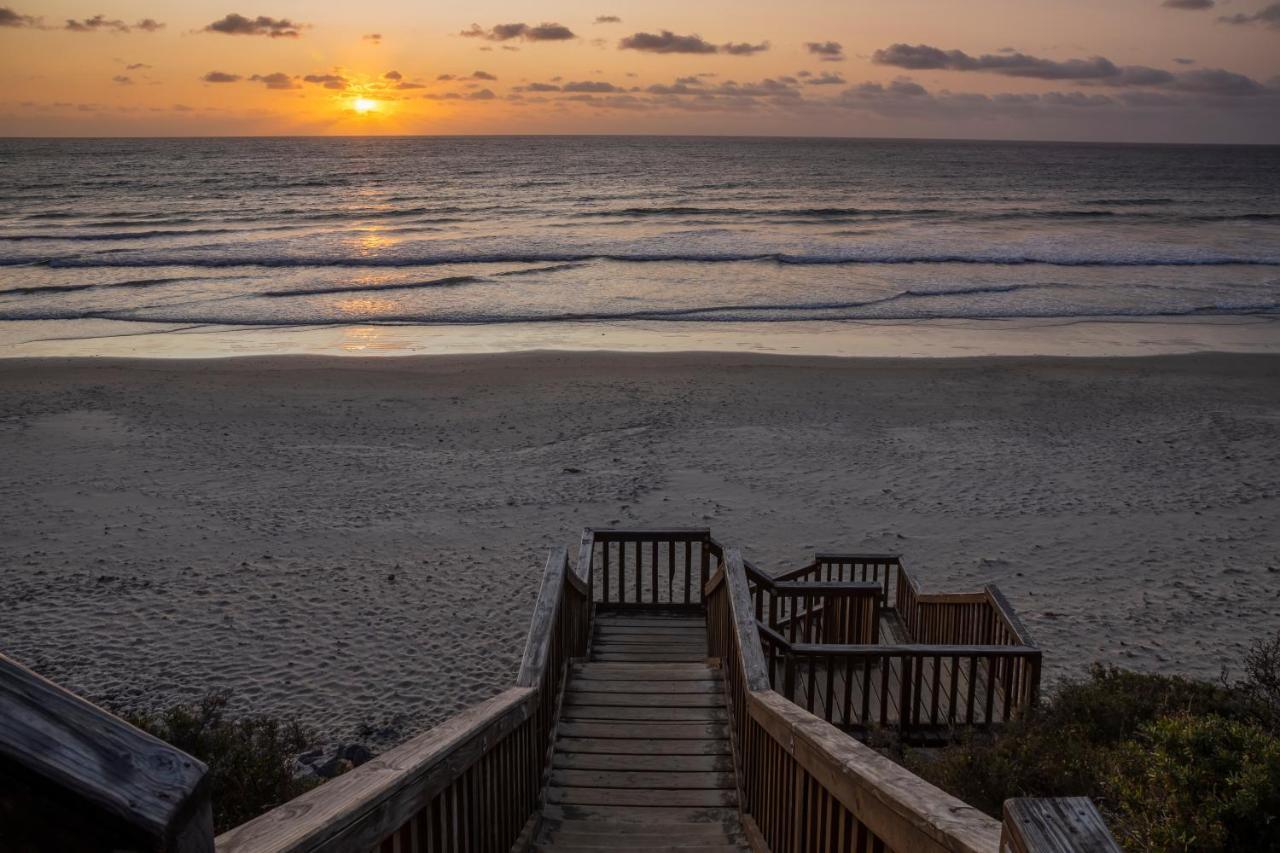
<point>447,281</point>
<point>132,283</point>
<point>770,313</point>
<point>850,256</point>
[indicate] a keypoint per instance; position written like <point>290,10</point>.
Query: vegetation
<point>250,759</point>
<point>1174,764</point>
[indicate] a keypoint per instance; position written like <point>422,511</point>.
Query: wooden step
<point>638,746</point>
<point>706,698</point>
<point>586,713</point>
<point>624,763</point>
<point>641,779</point>
<point>652,797</point>
<point>646,731</point>
<point>643,672</point>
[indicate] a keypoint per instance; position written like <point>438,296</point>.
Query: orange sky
<point>1065,69</point>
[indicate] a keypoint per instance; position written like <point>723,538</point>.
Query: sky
<point>1106,70</point>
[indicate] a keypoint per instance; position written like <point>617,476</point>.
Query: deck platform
<point>642,755</point>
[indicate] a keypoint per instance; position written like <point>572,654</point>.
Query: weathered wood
<point>899,807</point>
<point>538,642</point>
<point>649,798</point>
<point>614,778</point>
<point>654,731</point>
<point>589,713</point>
<point>133,782</point>
<point>1063,825</point>
<point>630,814</point>
<point>626,763</point>
<point>744,622</point>
<point>640,746</point>
<point>358,809</point>
<point>706,697</point>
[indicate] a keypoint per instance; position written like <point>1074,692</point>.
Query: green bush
<point>1196,784</point>
<point>250,759</point>
<point>1173,763</point>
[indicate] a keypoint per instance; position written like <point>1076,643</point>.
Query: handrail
<point>632,574</point>
<point>472,782</point>
<point>116,786</point>
<point>801,777</point>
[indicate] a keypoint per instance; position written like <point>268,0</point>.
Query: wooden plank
<point>665,763</point>
<point>654,731</point>
<point>647,829</point>
<point>1062,825</point>
<point>645,798</point>
<point>707,698</point>
<point>727,817</point>
<point>570,744</point>
<point>657,630</point>
<point>605,647</point>
<point>641,779</point>
<point>617,687</point>
<point>538,643</point>
<point>646,618</point>
<point>652,657</point>
<point>645,672</point>
<point>595,843</point>
<point>744,620</point>
<point>665,715</point>
<point>105,764</point>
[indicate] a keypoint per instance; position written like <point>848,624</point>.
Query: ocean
<point>294,232</point>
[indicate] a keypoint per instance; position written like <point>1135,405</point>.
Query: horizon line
<point>738,136</point>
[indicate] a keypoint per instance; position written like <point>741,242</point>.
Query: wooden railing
<point>804,784</point>
<point>470,784</point>
<point>882,569</point>
<point>647,567</point>
<point>75,777</point>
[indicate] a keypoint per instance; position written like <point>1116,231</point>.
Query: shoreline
<point>924,339</point>
<point>327,536</point>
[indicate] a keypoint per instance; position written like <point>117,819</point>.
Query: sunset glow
<point>990,69</point>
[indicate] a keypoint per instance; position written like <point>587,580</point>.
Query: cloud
<point>1217,81</point>
<point>594,86</point>
<point>238,25</point>
<point>221,77</point>
<point>1183,60</point>
<point>276,80</point>
<point>329,81</point>
<point>1189,4</point>
<point>828,51</point>
<point>540,87</point>
<point>825,79</point>
<point>393,75</point>
<point>1268,16</point>
<point>744,49</point>
<point>122,79</point>
<point>10,18</point>
<point>919,57</point>
<point>666,41</point>
<point>375,38</point>
<point>481,95</point>
<point>101,23</point>
<point>608,19</point>
<point>136,66</point>
<point>408,85</point>
<point>481,75</point>
<point>507,32</point>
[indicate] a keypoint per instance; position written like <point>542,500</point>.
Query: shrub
<point>1196,783</point>
<point>1173,763</point>
<point>250,759</point>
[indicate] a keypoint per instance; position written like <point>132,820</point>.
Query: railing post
<point>1062,825</point>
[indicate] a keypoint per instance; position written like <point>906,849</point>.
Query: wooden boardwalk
<point>642,755</point>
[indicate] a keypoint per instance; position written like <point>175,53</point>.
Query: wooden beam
<point>135,781</point>
<point>1005,609</point>
<point>744,620</point>
<point>538,643</point>
<point>1062,825</point>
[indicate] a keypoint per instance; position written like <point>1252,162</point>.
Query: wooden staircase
<point>642,755</point>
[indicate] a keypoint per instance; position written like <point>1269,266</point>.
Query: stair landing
<point>642,759</point>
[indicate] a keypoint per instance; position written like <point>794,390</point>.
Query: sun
<point>364,106</point>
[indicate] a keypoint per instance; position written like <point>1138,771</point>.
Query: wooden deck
<point>642,755</point>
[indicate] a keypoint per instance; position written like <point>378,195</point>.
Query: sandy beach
<point>358,542</point>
